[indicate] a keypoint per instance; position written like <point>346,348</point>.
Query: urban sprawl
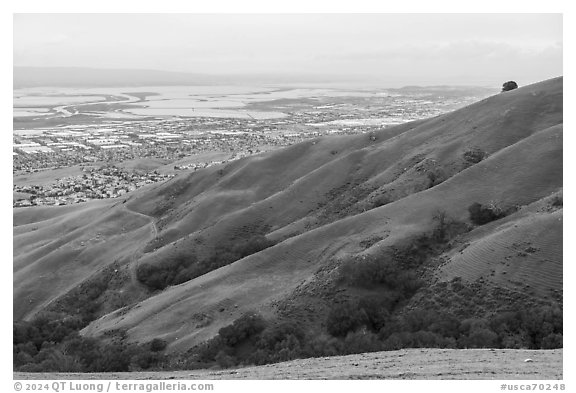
<point>98,147</point>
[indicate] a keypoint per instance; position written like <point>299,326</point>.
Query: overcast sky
<point>395,49</point>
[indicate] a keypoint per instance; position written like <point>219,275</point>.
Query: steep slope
<point>320,201</point>
<point>317,182</point>
<point>56,249</point>
<point>524,252</point>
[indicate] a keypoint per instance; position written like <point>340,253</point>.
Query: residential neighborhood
<point>94,183</point>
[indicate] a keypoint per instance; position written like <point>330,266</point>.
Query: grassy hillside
<point>292,235</point>
<point>56,249</point>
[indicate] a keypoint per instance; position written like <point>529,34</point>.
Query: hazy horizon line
<point>169,77</point>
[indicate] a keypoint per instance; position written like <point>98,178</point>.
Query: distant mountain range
<point>93,77</point>
<point>97,77</point>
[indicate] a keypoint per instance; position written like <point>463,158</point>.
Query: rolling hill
<point>316,206</point>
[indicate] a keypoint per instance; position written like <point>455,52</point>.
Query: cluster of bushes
<point>474,155</point>
<point>394,277</point>
<point>428,245</point>
<point>251,246</point>
<point>398,269</point>
<point>483,214</point>
<point>251,340</point>
<point>538,328</point>
<point>367,326</point>
<point>452,315</point>
<point>380,201</point>
<point>435,176</point>
<point>86,301</point>
<point>51,343</point>
<point>184,268</point>
<point>347,200</point>
<point>170,272</point>
<point>378,271</point>
<point>367,313</point>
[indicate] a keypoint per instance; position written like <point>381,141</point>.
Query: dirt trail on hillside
<point>138,253</point>
<point>498,364</point>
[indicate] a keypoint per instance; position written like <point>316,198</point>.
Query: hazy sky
<point>395,49</point>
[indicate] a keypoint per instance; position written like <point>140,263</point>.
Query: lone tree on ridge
<point>510,85</point>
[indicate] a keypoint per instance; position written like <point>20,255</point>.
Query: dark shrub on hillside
<point>445,325</point>
<point>241,329</point>
<point>275,335</point>
<point>47,327</point>
<point>369,312</point>
<point>362,341</point>
<point>51,343</point>
<point>421,248</point>
<point>379,271</point>
<point>481,215</point>
<point>352,331</point>
<point>169,272</point>
<point>442,324</point>
<point>252,246</point>
<point>323,345</point>
<point>419,339</point>
<point>512,341</point>
<point>207,351</point>
<point>480,337</point>
<point>440,233</point>
<point>377,309</point>
<point>344,318</point>
<point>540,323</point>
<point>288,348</point>
<point>474,155</point>
<point>114,357</point>
<point>158,345</point>
<point>506,323</point>
<point>552,341</point>
<point>84,302</point>
<point>398,340</point>
<point>416,320</point>
<point>184,268</point>
<point>381,200</point>
<point>97,356</point>
<point>52,359</point>
<point>251,340</point>
<point>25,332</point>
<point>435,176</point>
<point>225,360</point>
<point>145,360</point>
